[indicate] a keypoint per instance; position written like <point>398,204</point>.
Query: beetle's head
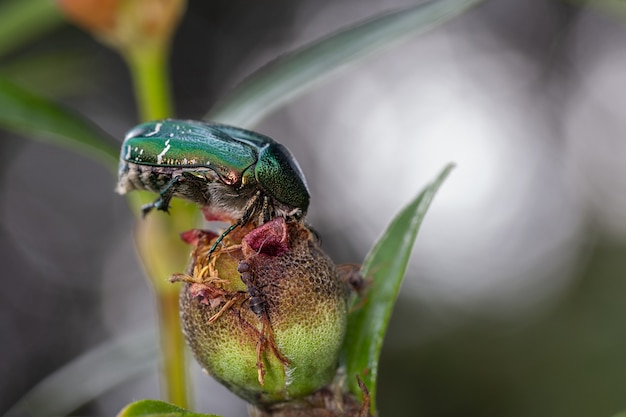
<point>281,178</point>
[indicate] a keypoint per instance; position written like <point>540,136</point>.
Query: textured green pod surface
<point>305,301</point>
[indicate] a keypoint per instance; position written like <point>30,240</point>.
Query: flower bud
<point>266,313</point>
<point>126,24</point>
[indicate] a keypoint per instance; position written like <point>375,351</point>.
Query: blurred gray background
<point>515,301</point>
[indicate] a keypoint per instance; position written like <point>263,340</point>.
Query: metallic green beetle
<point>240,173</point>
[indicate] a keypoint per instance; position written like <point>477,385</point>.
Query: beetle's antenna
<point>232,227</point>
<point>248,210</point>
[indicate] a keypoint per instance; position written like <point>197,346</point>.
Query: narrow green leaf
<point>154,408</point>
<point>612,7</point>
<point>385,266</point>
<point>295,73</point>
<point>39,118</point>
<point>67,72</point>
<point>23,20</point>
<point>89,376</point>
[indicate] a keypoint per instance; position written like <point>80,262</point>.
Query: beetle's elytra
<point>234,171</point>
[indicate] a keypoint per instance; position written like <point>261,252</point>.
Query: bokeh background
<point>515,301</point>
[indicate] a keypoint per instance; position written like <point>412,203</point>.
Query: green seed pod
<point>265,317</point>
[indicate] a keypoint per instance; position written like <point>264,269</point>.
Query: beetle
<point>241,173</point>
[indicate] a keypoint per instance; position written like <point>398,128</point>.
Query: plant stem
<point>148,67</point>
<point>172,347</point>
<point>163,253</point>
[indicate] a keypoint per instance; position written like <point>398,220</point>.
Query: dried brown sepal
<point>351,274</point>
<point>207,290</point>
<point>364,410</point>
<point>227,306</point>
<point>329,401</point>
<point>203,277</point>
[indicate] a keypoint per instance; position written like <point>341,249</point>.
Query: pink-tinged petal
<point>270,239</point>
<point>212,214</point>
<point>194,236</point>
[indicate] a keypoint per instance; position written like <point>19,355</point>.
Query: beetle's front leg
<point>265,210</point>
<point>165,196</point>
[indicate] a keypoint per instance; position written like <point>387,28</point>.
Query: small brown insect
<point>258,305</point>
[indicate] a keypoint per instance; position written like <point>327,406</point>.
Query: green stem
<point>148,67</point>
<point>172,347</point>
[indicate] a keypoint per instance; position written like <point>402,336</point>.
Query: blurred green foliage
<point>567,360</point>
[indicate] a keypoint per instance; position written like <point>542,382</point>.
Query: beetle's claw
<point>145,209</point>
<point>158,204</point>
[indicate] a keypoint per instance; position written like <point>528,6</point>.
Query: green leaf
<point>24,20</point>
<point>67,72</point>
<point>154,408</point>
<point>612,7</point>
<point>385,266</point>
<point>39,118</point>
<point>89,376</point>
<point>295,73</point>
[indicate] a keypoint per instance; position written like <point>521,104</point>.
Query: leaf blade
<point>297,72</point>
<point>39,118</point>
<point>90,375</point>
<point>22,21</point>
<point>155,408</point>
<point>385,264</point>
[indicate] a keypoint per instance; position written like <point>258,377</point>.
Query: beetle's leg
<point>260,366</point>
<point>267,330</point>
<point>248,210</point>
<point>193,190</point>
<point>265,210</point>
<point>165,196</point>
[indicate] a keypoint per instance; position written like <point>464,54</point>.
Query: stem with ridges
<point>148,67</point>
<point>172,346</point>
